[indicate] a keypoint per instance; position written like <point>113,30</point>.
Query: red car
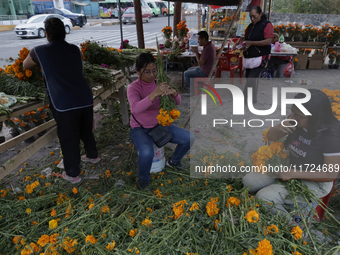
<point>129,15</point>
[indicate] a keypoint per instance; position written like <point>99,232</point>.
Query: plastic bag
<point>289,70</point>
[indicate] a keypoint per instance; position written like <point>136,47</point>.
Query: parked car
<point>35,26</point>
<point>76,18</point>
<point>129,15</point>
<point>155,10</point>
<point>190,11</point>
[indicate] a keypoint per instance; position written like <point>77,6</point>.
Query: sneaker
<point>72,180</point>
<point>145,186</point>
<point>173,165</point>
<point>91,160</point>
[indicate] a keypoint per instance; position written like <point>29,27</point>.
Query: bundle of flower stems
<point>167,112</point>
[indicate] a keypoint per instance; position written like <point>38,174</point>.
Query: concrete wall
<point>305,19</point>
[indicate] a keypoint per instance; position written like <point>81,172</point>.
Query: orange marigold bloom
<point>111,246</point>
<point>90,239</point>
<point>43,240</point>
<point>74,190</point>
<point>133,232</point>
<point>212,207</point>
<point>252,216</point>
<point>297,232</point>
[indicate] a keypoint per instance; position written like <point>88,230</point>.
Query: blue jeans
<point>193,72</point>
<point>144,144</point>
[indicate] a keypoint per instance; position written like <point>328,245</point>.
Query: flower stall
<point>30,116</point>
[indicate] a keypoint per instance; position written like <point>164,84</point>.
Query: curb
<point>4,28</point>
<point>110,23</point>
<point>95,23</point>
<point>75,28</point>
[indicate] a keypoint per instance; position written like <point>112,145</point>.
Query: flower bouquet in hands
<point>168,110</point>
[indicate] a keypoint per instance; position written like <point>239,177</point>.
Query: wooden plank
<point>219,28</point>
<point>15,140</point>
<point>22,109</point>
<point>123,106</point>
<point>216,38</point>
<point>30,150</point>
<point>102,96</point>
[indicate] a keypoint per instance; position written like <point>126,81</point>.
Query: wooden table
<point>99,94</point>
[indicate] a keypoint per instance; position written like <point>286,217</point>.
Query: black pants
<point>252,81</point>
<point>73,126</point>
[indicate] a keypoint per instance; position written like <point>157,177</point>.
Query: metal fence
<point>11,19</point>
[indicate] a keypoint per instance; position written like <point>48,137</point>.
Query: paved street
<point>10,44</point>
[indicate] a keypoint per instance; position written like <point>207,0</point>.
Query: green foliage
<point>306,6</point>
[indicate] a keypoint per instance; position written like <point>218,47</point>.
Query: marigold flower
<point>28,210</point>
<point>229,188</point>
<point>91,206</point>
<point>147,222</point>
<point>111,246</point>
<point>133,232</point>
<point>271,230</point>
<point>212,207</point>
<point>53,212</point>
<point>296,253</point>
<point>68,244</point>
<point>178,208</point>
<point>194,206</point>
<point>264,248</point>
<point>252,216</point>
<point>3,193</point>
<point>35,223</point>
<point>90,239</point>
<point>53,224</point>
<point>216,221</point>
<point>17,239</point>
<point>297,232</point>
<point>43,240</point>
<point>105,209</point>
<point>74,190</point>
<point>53,238</point>
<point>233,201</point>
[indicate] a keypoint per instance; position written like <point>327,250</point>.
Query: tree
<point>306,6</point>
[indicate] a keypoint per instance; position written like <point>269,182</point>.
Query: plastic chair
<point>320,211</point>
<point>225,63</point>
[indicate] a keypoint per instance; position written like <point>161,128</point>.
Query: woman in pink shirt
<point>143,96</point>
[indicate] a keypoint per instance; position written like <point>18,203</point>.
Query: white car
<point>35,26</point>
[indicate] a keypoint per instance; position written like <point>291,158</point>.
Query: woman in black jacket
<point>256,43</point>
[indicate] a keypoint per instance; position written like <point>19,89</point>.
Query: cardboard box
<point>316,62</point>
<point>302,62</point>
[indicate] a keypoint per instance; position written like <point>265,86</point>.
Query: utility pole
<point>139,23</point>
<point>177,16</point>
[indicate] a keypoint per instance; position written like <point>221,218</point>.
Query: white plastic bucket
<point>158,161</point>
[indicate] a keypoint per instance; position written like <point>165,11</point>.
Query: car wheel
<point>67,29</point>
<point>23,37</point>
<point>73,24</point>
<point>153,14</point>
<point>41,33</point>
<point>156,15</point>
<point>81,25</point>
<point>164,13</point>
<point>124,23</point>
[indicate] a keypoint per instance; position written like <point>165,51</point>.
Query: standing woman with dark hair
<point>71,99</point>
<point>313,144</point>
<point>143,96</point>
<point>256,47</point>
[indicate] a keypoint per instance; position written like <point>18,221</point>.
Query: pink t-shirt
<point>141,107</point>
<point>208,54</point>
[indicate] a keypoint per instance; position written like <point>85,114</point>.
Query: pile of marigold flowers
<point>334,97</point>
<point>189,215</point>
<point>164,118</point>
<point>16,69</point>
